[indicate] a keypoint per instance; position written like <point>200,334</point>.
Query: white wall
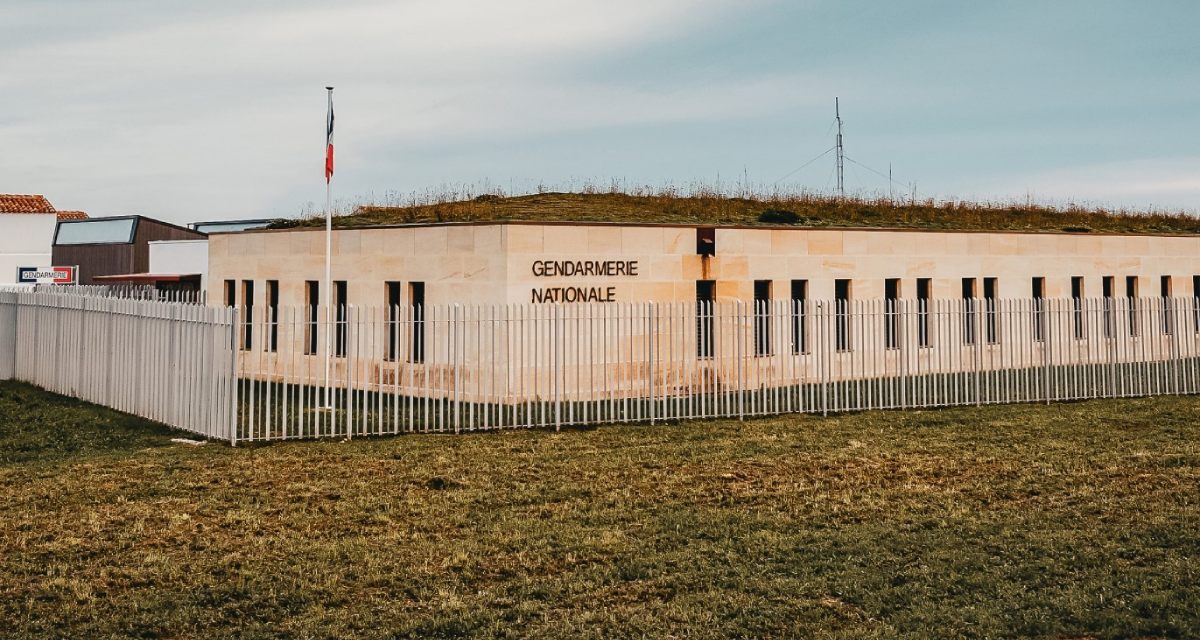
<point>25,240</point>
<point>181,257</point>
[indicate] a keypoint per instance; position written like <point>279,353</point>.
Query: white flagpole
<point>329,329</point>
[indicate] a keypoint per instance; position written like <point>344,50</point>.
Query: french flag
<point>329,139</point>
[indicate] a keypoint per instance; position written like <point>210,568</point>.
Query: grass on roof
<point>1064,521</point>
<point>801,210</point>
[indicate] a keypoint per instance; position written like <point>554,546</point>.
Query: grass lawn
<point>1065,521</point>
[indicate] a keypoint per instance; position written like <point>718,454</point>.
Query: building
<point>430,310</point>
<point>113,246</point>
<point>520,263</point>
<point>26,229</point>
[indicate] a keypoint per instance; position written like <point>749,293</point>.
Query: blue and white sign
<point>47,275</point>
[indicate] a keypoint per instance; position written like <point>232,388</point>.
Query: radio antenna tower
<point>841,182</point>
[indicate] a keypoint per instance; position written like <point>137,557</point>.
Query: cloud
<point>215,112</point>
<point>1157,183</point>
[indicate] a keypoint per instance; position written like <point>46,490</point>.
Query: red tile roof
<point>72,215</point>
<point>24,204</point>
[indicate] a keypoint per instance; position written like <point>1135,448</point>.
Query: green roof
<point>803,210</point>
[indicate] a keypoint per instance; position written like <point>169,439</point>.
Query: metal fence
<point>259,373</point>
<point>464,368</point>
<point>167,361</point>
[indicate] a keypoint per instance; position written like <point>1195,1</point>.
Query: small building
<point>177,268</point>
<point>113,246</point>
<point>26,230</point>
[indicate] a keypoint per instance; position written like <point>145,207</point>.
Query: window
<point>1077,306</point>
<point>272,315</point>
<point>230,293</point>
<point>705,294</point>
<point>891,318</point>
<point>247,315</point>
<point>706,241</point>
<point>339,339</point>
<point>1131,294</point>
<point>841,294</point>
<point>1039,309</point>
<point>799,331</point>
<point>1164,294</point>
<point>392,291</point>
<point>416,298</point>
<point>969,310</point>
<point>762,317</point>
<point>990,295</point>
<point>1108,290</point>
<point>312,301</point>
<point>1196,303</point>
<point>924,293</point>
<point>98,231</point>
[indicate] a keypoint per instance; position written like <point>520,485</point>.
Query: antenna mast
<point>841,182</point>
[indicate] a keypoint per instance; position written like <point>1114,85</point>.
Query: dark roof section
<point>231,225</point>
<point>17,203</point>
<point>133,229</point>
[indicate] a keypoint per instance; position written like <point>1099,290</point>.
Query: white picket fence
<point>167,361</point>
<point>259,373</point>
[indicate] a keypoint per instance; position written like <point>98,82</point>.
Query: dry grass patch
<point>1074,520</point>
<point>704,206</point>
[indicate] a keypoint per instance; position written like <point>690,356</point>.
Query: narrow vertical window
<point>799,331</point>
<point>312,304</point>
<point>416,298</point>
<point>272,316</point>
<point>924,293</point>
<point>706,241</point>
<point>990,294</point>
<point>705,295</point>
<point>392,294</point>
<point>841,313</point>
<point>1039,309</point>
<point>1077,320</point>
<point>339,310</point>
<point>762,317</point>
<point>1108,290</point>
<point>247,315</point>
<point>1164,295</point>
<point>891,318</point>
<point>969,310</point>
<point>1196,303</point>
<point>230,293</point>
<point>1131,298</point>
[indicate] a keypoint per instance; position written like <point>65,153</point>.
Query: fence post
<point>651,329</point>
<point>8,335</point>
<point>1043,321</point>
<point>233,375</point>
<point>739,333</point>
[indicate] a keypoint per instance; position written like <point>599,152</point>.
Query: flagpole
<point>329,328</point>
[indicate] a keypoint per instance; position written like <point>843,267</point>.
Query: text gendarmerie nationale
<point>581,269</point>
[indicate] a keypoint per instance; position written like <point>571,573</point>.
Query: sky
<point>189,111</point>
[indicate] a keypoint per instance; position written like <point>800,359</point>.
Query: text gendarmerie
<point>580,269</point>
<point>584,268</point>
